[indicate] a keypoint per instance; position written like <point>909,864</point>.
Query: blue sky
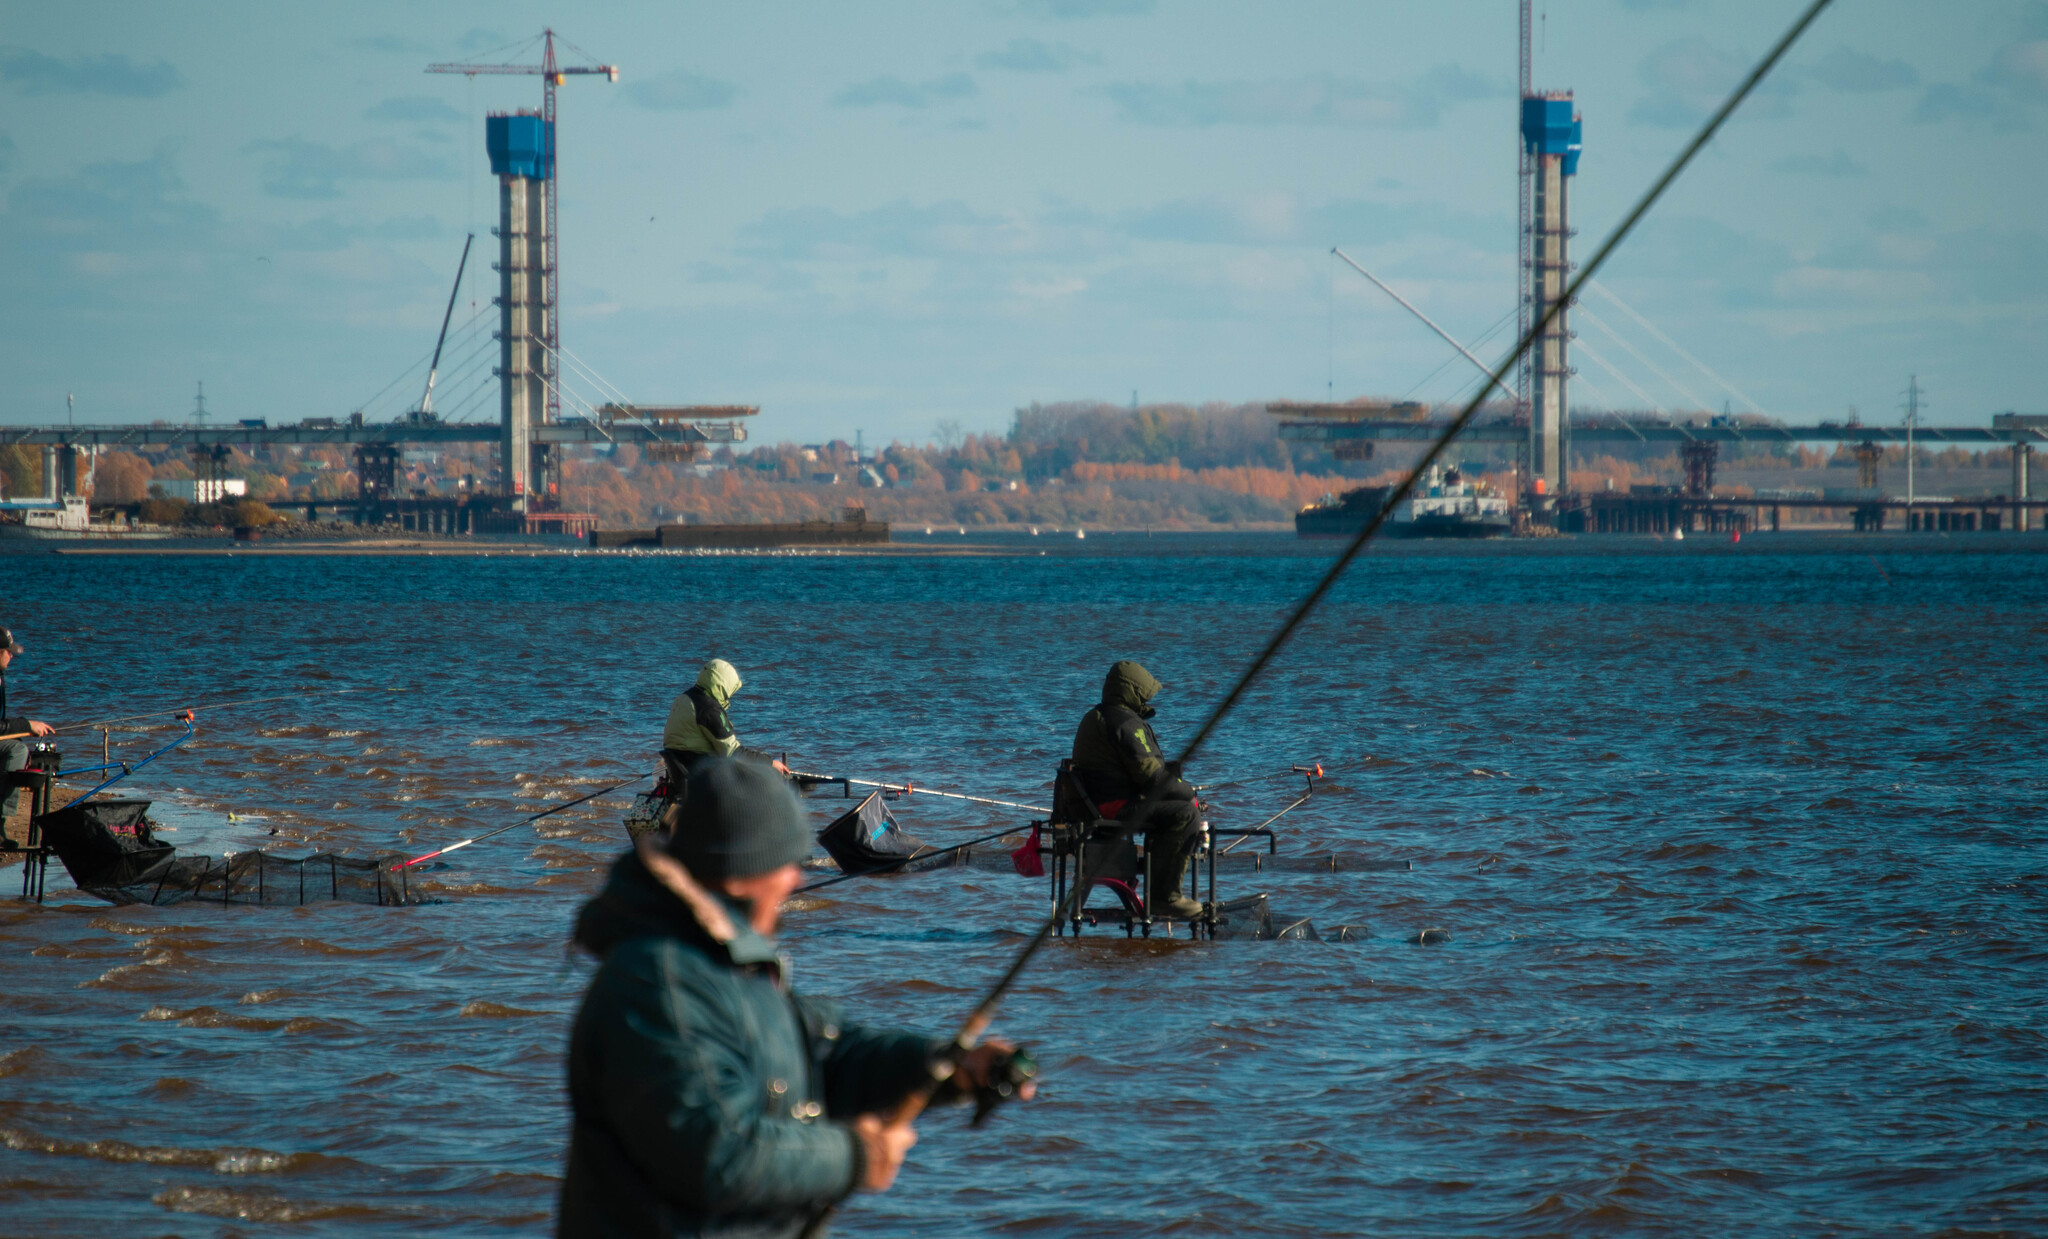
<point>886,215</point>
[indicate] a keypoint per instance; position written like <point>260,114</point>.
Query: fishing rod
<point>1314,771</point>
<point>979,1019</point>
<point>908,789</point>
<point>218,705</point>
<point>894,865</point>
<point>1298,802</point>
<point>127,770</point>
<point>567,804</point>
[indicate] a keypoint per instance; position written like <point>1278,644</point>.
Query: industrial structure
<point>1550,157</point>
<point>1551,139</point>
<point>521,145</point>
<point>533,430</point>
<point>1534,419</point>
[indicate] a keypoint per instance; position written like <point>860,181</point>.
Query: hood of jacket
<point>720,680</point>
<point>1129,685</point>
<point>634,904</point>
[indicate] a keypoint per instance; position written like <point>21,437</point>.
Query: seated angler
<point>1117,758</point>
<point>13,732</point>
<point>698,727</point>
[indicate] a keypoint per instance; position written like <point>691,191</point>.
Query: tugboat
<point>1443,505</point>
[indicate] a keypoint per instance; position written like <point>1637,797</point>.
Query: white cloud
<point>895,92</point>
<point>414,109</point>
<point>1859,72</point>
<point>1051,289</point>
<point>1077,9</point>
<point>1688,79</point>
<point>33,73</point>
<point>1033,56</point>
<point>1837,164</point>
<point>679,90</point>
<point>296,168</point>
<point>1325,100</point>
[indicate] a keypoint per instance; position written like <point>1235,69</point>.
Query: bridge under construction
<point>1352,431</point>
<point>537,419</point>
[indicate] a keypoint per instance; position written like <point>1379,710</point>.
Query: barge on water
<point>68,520</point>
<point>1443,505</point>
<point>852,529</point>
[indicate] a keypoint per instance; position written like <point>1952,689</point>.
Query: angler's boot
<point>1169,864</point>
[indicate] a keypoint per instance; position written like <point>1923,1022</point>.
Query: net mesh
<point>271,881</point>
<point>110,849</point>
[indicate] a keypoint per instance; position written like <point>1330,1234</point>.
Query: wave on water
<point>1754,958</point>
<point>482,1010</point>
<point>259,1207</point>
<point>220,1161</point>
<point>213,1017</point>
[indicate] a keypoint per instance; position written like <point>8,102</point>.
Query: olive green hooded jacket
<point>697,721</point>
<point>1116,752</point>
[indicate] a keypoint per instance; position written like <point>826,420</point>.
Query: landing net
<point>111,850</point>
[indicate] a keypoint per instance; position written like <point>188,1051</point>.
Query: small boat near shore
<point>1443,505</point>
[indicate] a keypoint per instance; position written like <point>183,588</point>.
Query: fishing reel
<point>1007,1075</point>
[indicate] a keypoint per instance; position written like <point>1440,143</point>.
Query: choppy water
<point>1738,850</point>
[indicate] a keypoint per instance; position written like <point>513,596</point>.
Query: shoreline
<point>1111,543</point>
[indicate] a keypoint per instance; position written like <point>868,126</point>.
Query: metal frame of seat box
<point>34,853</point>
<point>1078,828</point>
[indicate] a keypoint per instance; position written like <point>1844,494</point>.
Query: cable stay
<point>1427,321</point>
<point>1648,400</point>
<point>1673,345</point>
<point>1601,324</point>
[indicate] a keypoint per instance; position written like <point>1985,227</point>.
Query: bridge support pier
<point>2020,484</point>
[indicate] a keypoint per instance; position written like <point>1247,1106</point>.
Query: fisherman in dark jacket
<point>13,748</point>
<point>1120,765</point>
<point>707,1099</point>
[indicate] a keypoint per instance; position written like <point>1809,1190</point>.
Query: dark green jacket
<point>707,1099</point>
<point>1116,752</point>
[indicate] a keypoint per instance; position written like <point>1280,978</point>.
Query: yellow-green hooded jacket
<point>697,722</point>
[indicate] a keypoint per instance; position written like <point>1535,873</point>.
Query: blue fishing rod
<point>126,769</point>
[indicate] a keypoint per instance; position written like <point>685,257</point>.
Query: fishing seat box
<point>35,778</point>
<point>1092,842</point>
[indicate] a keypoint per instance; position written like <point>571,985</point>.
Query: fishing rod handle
<point>941,1069</point>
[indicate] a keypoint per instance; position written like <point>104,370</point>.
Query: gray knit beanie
<point>737,820</point>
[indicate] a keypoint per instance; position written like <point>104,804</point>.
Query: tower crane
<point>552,73</point>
